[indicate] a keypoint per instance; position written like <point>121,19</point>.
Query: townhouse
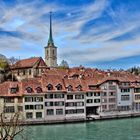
<point>69,95</point>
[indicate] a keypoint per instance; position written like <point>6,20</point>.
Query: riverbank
<point>102,116</point>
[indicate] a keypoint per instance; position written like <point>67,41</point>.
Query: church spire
<point>50,40</point>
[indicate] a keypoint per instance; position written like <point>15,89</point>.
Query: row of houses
<point>70,94</point>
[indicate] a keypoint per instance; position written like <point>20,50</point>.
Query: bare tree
<point>12,60</point>
<point>10,128</point>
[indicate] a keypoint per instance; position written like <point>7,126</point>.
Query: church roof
<point>28,63</point>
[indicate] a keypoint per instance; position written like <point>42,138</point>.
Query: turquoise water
<point>125,129</point>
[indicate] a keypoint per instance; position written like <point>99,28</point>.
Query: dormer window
<point>69,88</point>
<point>59,87</point>
<point>38,89</point>
<point>92,87</point>
<point>50,87</point>
<point>79,88</point>
<point>13,90</point>
<point>29,90</point>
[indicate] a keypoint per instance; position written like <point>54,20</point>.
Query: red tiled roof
<point>26,63</point>
<point>92,77</point>
<point>6,86</point>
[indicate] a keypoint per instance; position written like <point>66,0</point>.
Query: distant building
<point>28,68</point>
<point>51,50</point>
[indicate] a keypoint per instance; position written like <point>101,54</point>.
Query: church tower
<point>51,49</point>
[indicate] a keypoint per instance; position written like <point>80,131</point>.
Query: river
<point>122,129</point>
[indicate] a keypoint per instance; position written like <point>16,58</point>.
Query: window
<point>125,90</point>
<point>13,90</point>
<point>59,103</point>
<point>111,93</point>
<point>89,94</point>
<point>137,90</point>
<point>112,100</point>
<point>49,96</point>
<point>29,115</point>
<point>75,111</point>
<point>30,71</point>
<point>59,87</point>
<point>125,84</point>
<point>9,100</point>
<point>29,107</point>
<point>59,111</point>
<point>29,90</point>
<point>71,111</point>
<point>79,96</point>
<point>96,93</point>
<point>59,95</point>
<point>37,71</point>
<point>38,99</point>
<point>20,108</point>
<point>69,88</point>
<point>70,104</point>
<point>137,97</point>
<point>79,111</point>
<point>104,87</point>
<point>48,103</point>
<point>110,82</point>
<point>38,115</point>
<point>69,97</point>
<point>124,108</point>
<point>125,97</point>
<point>96,100</point>
<point>104,107</point>
<point>79,104</point>
<point>50,112</point>
<point>9,109</point>
<point>91,87</point>
<point>79,88</point>
<point>18,73</point>
<point>104,94</point>
<point>50,87</point>
<point>112,87</point>
<point>38,89</point>
<point>24,72</point>
<point>38,106</point>
<point>28,99</point>
<point>111,107</point>
<point>104,100</point>
<point>89,101</point>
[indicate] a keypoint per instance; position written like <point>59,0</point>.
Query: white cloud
<point>93,46</point>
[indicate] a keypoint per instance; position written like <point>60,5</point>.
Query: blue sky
<point>92,33</point>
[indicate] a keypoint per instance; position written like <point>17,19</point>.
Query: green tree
<point>3,65</point>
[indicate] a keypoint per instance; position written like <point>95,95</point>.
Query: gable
<point>40,63</point>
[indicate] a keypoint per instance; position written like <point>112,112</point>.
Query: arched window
<point>59,87</point>
<point>38,89</point>
<point>69,88</point>
<point>79,87</point>
<point>29,90</point>
<point>50,87</point>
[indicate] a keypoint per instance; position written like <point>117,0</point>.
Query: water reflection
<point>125,129</point>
